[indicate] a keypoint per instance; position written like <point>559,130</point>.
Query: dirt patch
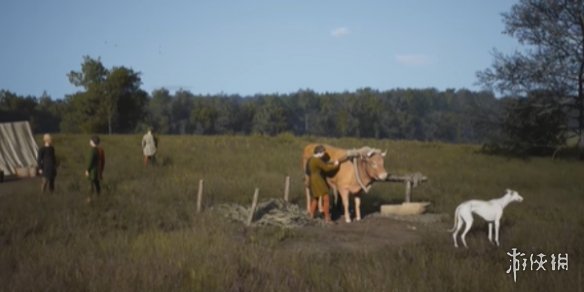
<point>371,233</point>
<point>374,232</point>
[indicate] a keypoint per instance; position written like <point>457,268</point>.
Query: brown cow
<point>352,177</point>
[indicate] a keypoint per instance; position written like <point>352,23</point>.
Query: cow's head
<point>374,164</point>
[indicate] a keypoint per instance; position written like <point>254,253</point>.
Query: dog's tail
<point>455,220</point>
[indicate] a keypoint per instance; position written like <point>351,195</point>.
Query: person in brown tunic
<point>317,169</point>
<point>96,164</point>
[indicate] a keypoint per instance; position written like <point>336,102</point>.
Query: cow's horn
<point>370,153</point>
<point>384,153</point>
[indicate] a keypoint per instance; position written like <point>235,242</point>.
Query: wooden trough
<point>415,208</point>
<point>408,207</point>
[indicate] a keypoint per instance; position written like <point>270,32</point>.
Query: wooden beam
<point>411,181</point>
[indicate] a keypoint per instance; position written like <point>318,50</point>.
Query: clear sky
<point>253,46</point>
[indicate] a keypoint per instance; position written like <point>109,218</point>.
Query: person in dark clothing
<point>47,163</point>
<point>95,166</point>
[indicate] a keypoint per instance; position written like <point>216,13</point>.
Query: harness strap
<point>358,176</point>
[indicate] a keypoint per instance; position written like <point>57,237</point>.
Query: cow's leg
<point>357,207</point>
<point>345,198</point>
<point>320,208</point>
<point>336,199</point>
<point>491,232</point>
<point>336,194</point>
<point>307,190</point>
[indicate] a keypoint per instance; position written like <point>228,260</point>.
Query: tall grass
<point>143,234</point>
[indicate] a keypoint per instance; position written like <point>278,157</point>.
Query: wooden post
<point>287,189</point>
<point>408,191</point>
<point>253,206</point>
<point>200,196</point>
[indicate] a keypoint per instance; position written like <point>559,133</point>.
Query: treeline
<point>413,114</point>
<point>43,113</point>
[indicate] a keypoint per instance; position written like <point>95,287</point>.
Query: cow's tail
<point>455,219</point>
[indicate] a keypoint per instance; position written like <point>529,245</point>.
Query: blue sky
<point>251,46</point>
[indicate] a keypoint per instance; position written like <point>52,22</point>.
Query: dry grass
<point>143,233</point>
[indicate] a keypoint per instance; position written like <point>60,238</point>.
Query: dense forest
<point>111,101</point>
<point>413,114</point>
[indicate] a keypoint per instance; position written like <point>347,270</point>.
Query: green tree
<point>181,108</point>
<point>308,108</point>
<point>205,114</point>
<point>81,114</point>
<point>324,121</point>
<point>347,123</point>
<point>159,111</point>
<point>270,117</point>
<point>247,111</point>
<point>48,113</point>
<point>111,100</point>
<point>92,74</point>
<point>124,102</point>
<point>530,125</point>
<point>553,61</point>
<point>228,113</point>
<point>14,107</point>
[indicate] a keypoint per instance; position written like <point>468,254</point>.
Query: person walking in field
<point>317,167</point>
<point>149,144</point>
<point>47,163</point>
<point>95,166</point>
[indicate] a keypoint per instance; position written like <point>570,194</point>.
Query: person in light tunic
<point>149,144</point>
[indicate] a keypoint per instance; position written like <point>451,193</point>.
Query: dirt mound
<point>376,231</point>
<point>272,212</point>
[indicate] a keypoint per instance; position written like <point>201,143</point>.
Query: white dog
<point>491,211</point>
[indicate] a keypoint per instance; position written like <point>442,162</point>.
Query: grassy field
<point>143,233</point>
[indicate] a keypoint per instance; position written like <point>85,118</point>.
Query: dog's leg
<point>457,228</point>
<point>497,231</point>
<point>468,221</point>
<point>491,232</point>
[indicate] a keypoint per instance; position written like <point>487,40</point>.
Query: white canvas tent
<point>17,147</point>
